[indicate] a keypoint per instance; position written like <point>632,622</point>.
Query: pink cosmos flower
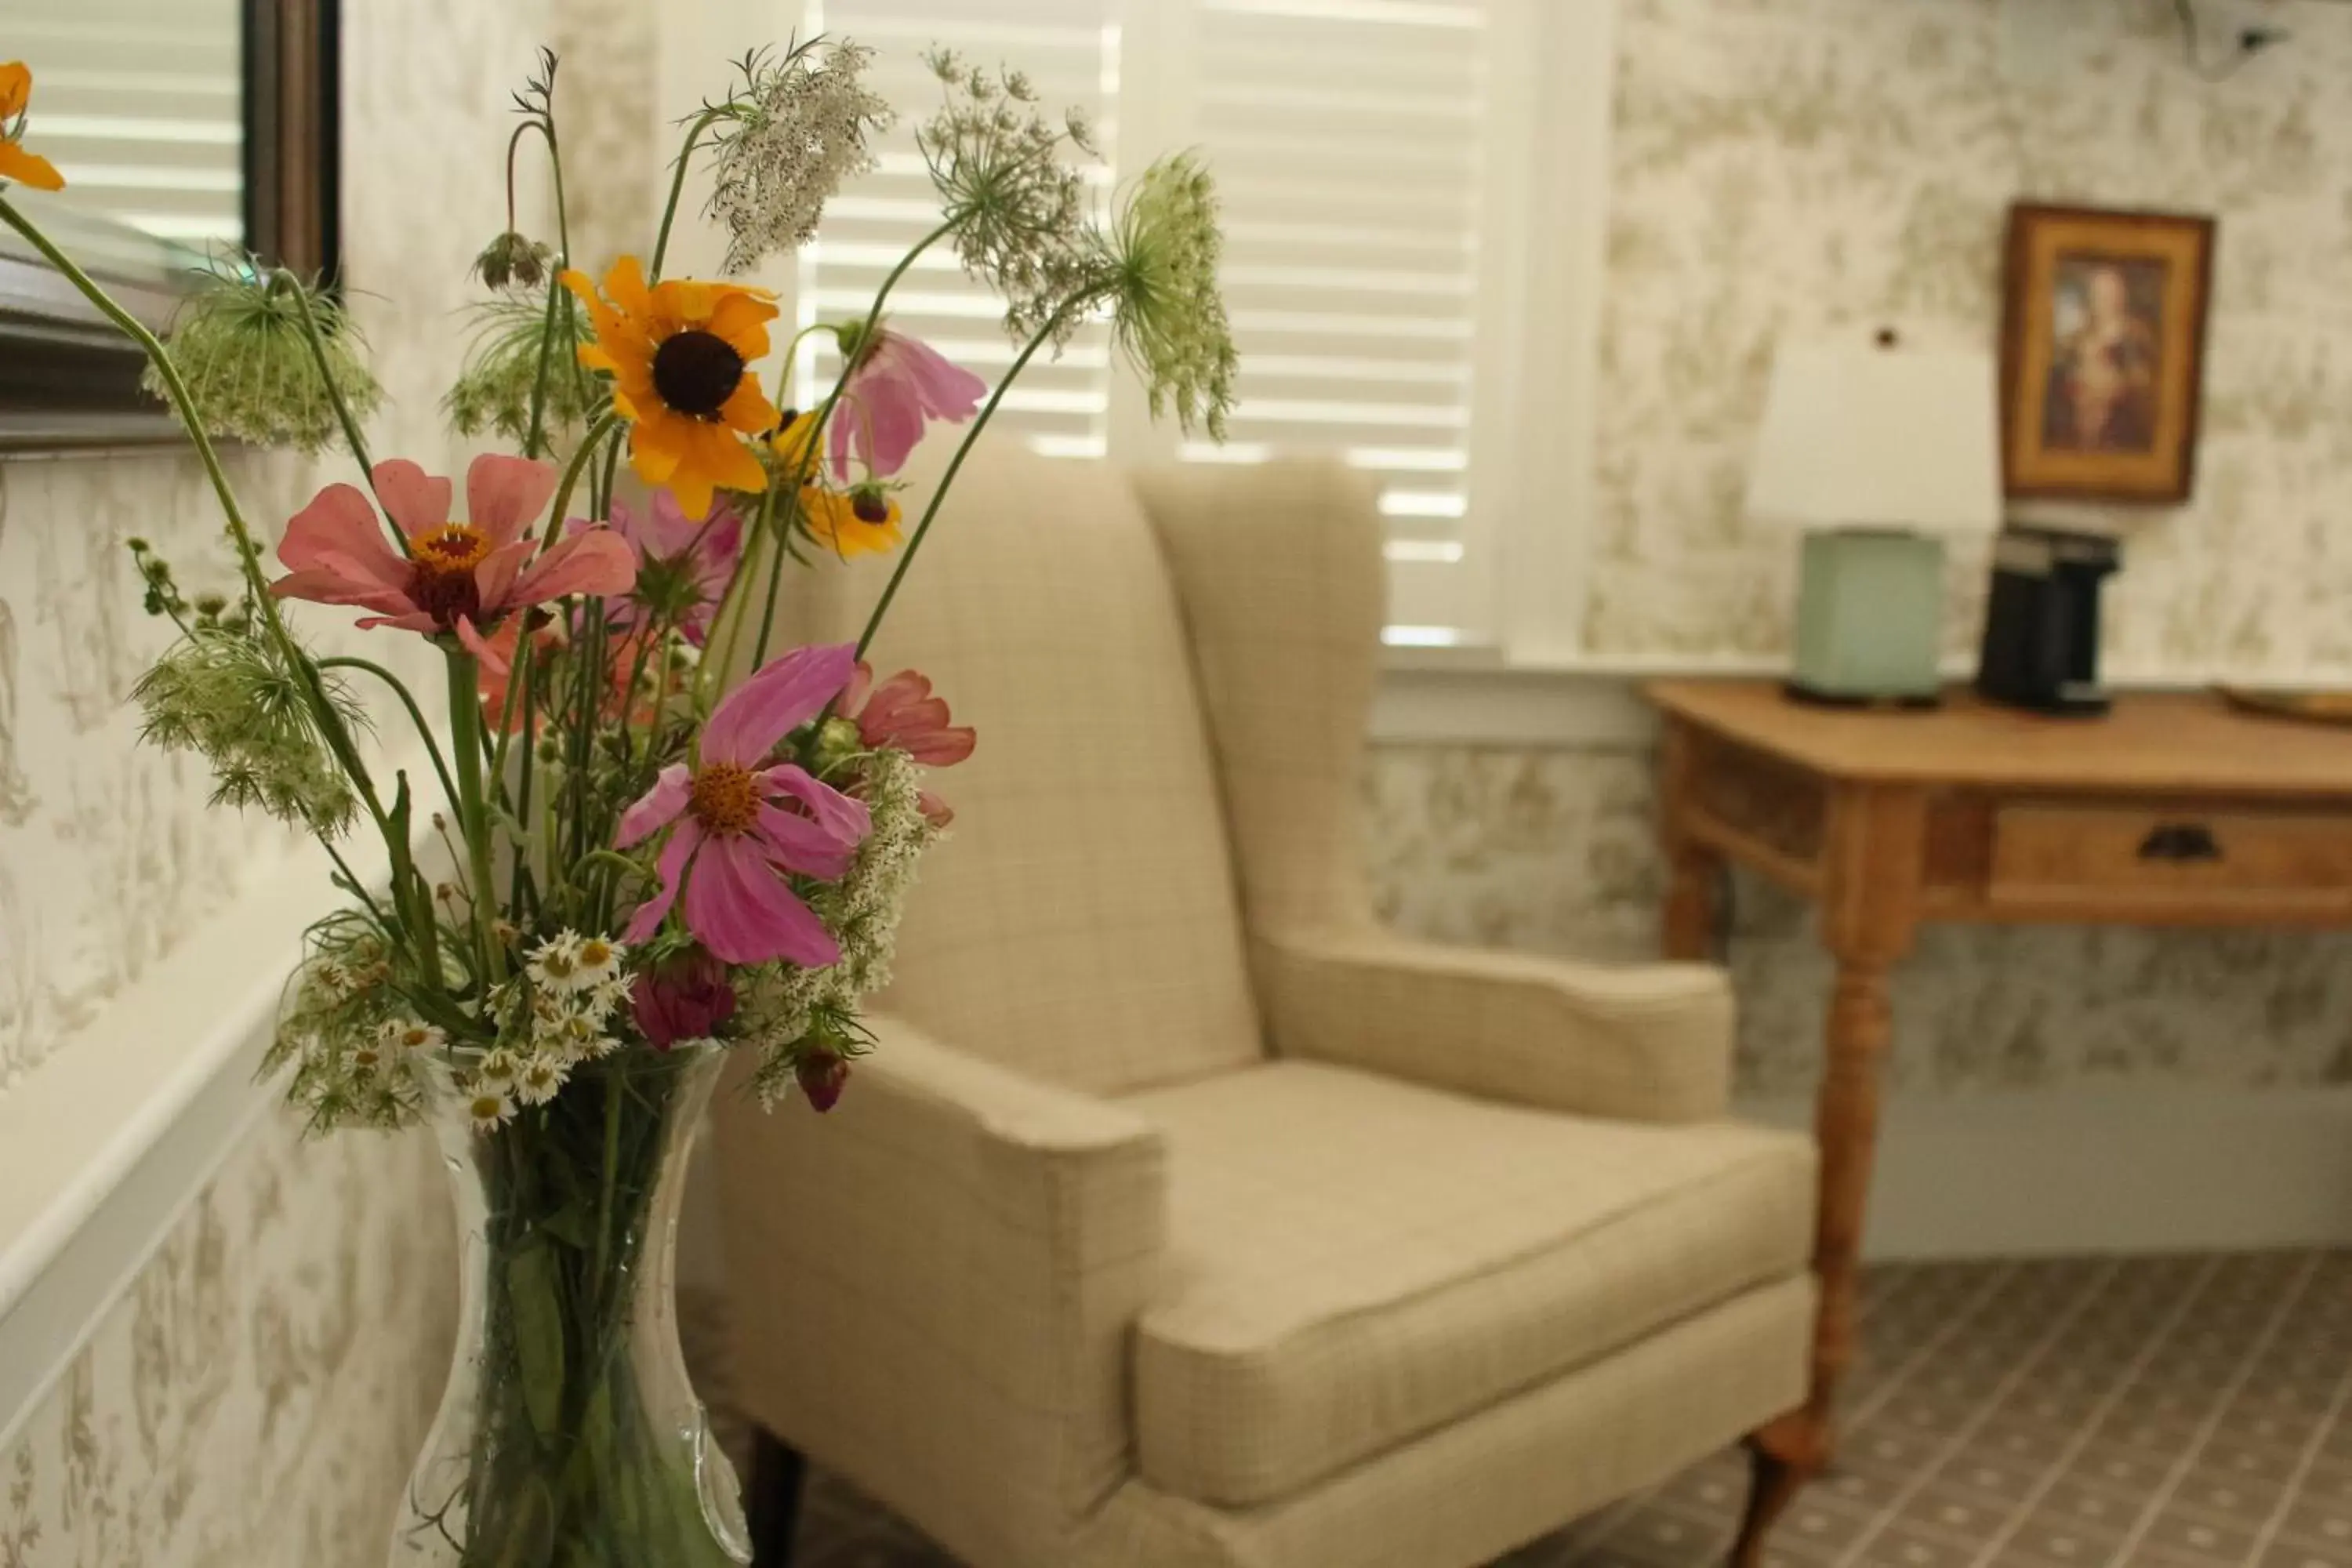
<point>733,844</point>
<point>898,383</point>
<point>902,713</point>
<point>457,577</point>
<point>684,564</point>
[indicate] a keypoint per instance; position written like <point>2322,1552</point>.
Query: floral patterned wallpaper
<point>257,1396</point>
<point>1780,166</point>
<point>257,1399</point>
<point>1554,851</point>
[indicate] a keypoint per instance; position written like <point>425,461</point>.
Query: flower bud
<point>822,1074</point>
<point>685,999</point>
<point>513,260</point>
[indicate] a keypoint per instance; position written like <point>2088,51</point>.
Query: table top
<point>2168,743</point>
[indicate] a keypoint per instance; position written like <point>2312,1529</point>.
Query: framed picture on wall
<point>2103,358</point>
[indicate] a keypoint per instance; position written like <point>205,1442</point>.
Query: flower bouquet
<point>652,834</point>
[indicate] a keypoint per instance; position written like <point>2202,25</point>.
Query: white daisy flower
<point>499,1070</point>
<point>411,1037</point>
<point>594,961</point>
<point>607,995</point>
<point>556,962</point>
<point>367,1060</point>
<point>542,1077</point>
<point>489,1108</point>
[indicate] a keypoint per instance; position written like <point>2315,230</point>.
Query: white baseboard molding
<point>2072,1171</point>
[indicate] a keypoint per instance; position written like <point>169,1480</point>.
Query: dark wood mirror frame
<point>69,378</point>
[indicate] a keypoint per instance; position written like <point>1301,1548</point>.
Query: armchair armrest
<point>1643,1042</point>
<point>933,1286</point>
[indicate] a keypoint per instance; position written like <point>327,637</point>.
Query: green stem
<point>605,424</point>
<point>931,511</point>
<point>359,889</point>
<point>465,740</point>
<point>249,549</point>
<point>284,280</point>
<point>810,456</point>
<point>536,437</point>
<point>415,714</point>
<point>702,123</point>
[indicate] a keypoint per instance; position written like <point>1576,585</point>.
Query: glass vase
<point>570,1436</point>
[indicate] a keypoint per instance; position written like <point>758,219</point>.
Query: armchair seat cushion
<point>1354,1260</point>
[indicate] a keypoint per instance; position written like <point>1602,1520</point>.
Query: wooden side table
<point>2173,810</point>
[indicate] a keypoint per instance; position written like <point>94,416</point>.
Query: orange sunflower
<point>680,353</point>
<point>16,164</point>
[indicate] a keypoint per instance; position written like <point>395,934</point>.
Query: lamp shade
<point>1864,432</point>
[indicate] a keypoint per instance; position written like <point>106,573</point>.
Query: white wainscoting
<point>2138,1169</point>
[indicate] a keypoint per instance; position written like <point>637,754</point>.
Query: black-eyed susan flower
<point>681,354</point>
<point>862,521</point>
<point>16,164</point>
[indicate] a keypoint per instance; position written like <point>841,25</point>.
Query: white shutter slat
<point>1068,51</point>
<point>141,103</point>
<point>1348,141</point>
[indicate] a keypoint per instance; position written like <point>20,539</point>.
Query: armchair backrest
<point>1285,589</point>
<point>1080,923</point>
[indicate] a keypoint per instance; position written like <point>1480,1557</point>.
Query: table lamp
<point>1875,448</point>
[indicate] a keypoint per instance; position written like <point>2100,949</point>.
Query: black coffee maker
<point>2041,624</point>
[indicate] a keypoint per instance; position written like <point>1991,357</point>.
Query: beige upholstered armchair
<point>1184,1217</point>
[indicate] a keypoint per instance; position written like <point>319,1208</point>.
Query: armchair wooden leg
<point>1783,1456</point>
<point>778,1474</point>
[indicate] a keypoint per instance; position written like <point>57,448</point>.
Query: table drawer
<point>2117,856</point>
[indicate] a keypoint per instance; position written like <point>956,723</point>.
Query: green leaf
<point>538,1334</point>
<point>569,1224</point>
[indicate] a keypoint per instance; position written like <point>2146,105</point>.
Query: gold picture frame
<point>2103,361</point>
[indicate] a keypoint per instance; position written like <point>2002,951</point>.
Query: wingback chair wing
<point>1182,1217</point>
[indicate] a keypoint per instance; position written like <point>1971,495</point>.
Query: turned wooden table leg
<point>1692,928</point>
<point>1792,1450</point>
<point>1869,911</point>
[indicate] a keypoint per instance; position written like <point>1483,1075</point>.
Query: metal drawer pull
<point>2180,842</point>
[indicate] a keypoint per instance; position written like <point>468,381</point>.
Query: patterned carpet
<point>2171,1411</point>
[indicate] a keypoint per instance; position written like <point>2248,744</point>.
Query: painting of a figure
<point>2102,353</point>
<point>2106,322</point>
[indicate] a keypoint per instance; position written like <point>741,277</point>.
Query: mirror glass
<point>141,104</point>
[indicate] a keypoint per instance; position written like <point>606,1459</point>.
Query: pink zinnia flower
<point>898,383</point>
<point>683,565</point>
<point>457,577</point>
<point>902,713</point>
<point>733,845</point>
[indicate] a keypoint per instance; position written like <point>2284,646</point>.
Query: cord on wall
<point>2251,41</point>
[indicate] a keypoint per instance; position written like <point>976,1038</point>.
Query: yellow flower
<point>681,354</point>
<point>16,164</point>
<point>861,522</point>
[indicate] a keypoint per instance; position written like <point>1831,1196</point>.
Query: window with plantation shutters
<point>141,103</point>
<point>1373,158</point>
<point>1348,142</point>
<point>1069,50</point>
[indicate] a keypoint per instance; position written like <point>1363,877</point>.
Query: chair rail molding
<point>104,1146</point>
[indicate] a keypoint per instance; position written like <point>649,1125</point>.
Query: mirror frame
<point>69,378</point>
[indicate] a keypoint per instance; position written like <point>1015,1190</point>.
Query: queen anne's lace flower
<point>1168,315</point>
<point>798,130</point>
<point>1018,202</point>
